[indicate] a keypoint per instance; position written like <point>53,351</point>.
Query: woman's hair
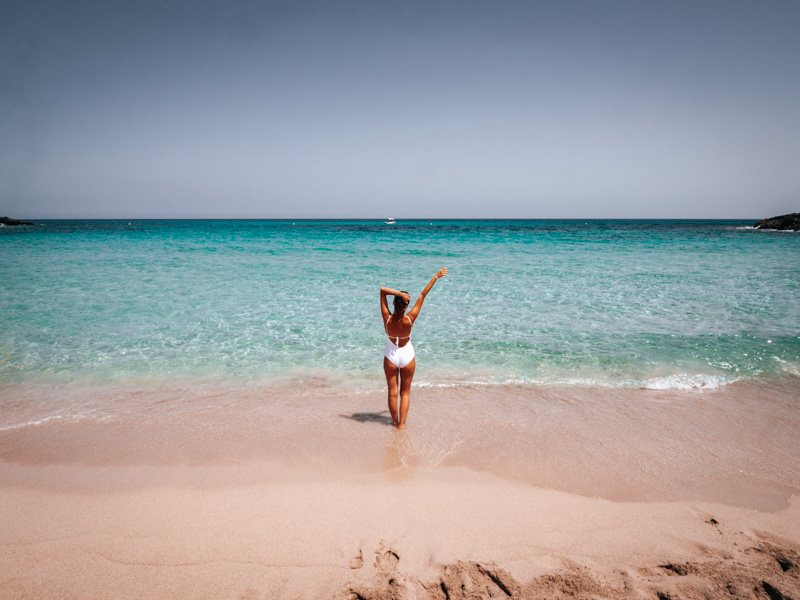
<point>399,303</point>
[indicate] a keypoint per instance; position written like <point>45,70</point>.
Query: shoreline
<point>732,445</point>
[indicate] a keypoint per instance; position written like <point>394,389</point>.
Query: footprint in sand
<point>387,560</point>
<point>358,561</point>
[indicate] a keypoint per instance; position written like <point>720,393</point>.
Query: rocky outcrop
<point>784,222</point>
<point>9,222</point>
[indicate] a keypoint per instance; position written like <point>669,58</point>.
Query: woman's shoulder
<point>406,320</point>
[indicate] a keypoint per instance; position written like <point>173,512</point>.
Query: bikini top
<point>397,339</point>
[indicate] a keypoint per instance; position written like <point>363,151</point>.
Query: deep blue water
<point>641,303</point>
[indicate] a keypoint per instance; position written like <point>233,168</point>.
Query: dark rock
<point>8,222</point>
<point>783,222</point>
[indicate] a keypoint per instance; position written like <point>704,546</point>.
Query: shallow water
<point>622,359</point>
<point>659,304</point>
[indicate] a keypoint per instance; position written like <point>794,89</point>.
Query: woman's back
<point>399,333</point>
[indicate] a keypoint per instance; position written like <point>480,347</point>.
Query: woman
<point>399,361</point>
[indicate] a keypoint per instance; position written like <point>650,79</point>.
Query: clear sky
<point>590,109</point>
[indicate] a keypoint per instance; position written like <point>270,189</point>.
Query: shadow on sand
<point>383,418</point>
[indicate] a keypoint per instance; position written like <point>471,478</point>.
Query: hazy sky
<point>587,109</point>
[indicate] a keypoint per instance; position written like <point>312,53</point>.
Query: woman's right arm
<point>385,304</point>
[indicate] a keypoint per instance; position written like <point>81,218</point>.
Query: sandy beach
<point>449,533</point>
<point>582,216</point>
<point>130,508</point>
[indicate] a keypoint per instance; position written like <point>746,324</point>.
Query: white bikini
<point>398,355</point>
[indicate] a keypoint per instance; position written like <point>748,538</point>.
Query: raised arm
<point>418,304</point>
<point>384,303</point>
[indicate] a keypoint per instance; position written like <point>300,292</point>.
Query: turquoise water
<point>620,303</point>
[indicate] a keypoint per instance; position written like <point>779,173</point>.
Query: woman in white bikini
<point>398,361</point>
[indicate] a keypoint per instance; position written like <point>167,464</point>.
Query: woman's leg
<point>392,374</point>
<point>406,375</point>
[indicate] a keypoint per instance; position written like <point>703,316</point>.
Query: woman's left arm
<point>414,312</point>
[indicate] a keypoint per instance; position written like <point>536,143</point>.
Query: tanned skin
<point>399,327</point>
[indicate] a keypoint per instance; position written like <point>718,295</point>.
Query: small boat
<point>390,221</point>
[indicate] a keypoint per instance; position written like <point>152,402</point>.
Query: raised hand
<point>441,273</point>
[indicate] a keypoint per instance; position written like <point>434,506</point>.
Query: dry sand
<point>285,494</point>
<point>189,532</point>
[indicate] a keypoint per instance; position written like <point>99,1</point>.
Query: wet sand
<point>206,495</point>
